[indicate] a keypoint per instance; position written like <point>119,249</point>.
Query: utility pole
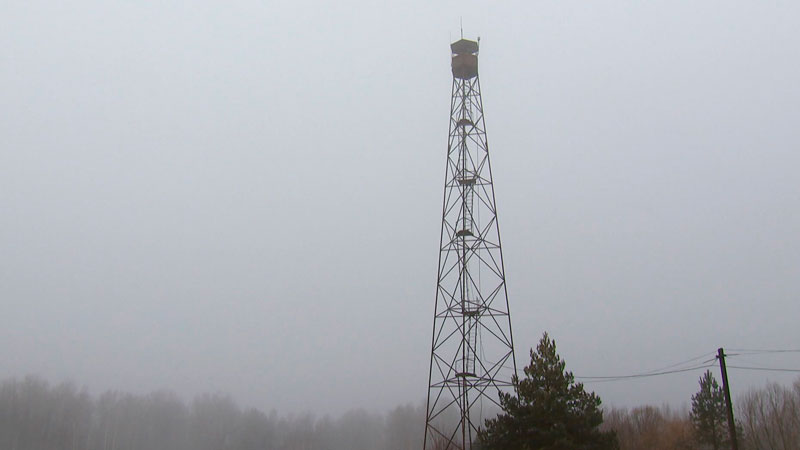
<point>729,406</point>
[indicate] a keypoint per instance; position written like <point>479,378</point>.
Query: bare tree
<point>770,417</point>
<point>651,428</point>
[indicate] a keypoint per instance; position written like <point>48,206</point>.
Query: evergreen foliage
<point>708,413</point>
<point>547,410</point>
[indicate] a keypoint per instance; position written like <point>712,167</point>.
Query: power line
<point>762,351</point>
<point>684,362</point>
<point>667,370</point>
<point>643,375</point>
<point>769,369</point>
<point>672,368</point>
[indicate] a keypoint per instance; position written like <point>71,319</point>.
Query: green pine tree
<point>708,413</point>
<point>547,410</point>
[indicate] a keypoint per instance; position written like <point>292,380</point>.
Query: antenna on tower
<point>461,23</point>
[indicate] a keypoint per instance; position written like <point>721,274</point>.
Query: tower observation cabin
<point>465,59</point>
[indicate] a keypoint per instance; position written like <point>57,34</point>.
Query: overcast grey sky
<point>246,196</point>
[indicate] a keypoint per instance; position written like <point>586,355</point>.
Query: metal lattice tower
<point>472,350</point>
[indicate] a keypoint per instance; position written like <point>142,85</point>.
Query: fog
<point>245,197</point>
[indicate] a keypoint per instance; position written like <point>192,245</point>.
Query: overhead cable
<point>769,369</point>
<point>643,375</point>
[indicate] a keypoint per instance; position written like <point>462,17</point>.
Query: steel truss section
<point>472,349</point>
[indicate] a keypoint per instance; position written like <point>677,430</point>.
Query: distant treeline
<point>767,419</point>
<point>35,415</point>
